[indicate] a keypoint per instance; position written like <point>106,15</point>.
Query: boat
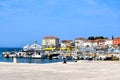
<point>36,56</point>
<point>34,46</point>
<point>57,57</point>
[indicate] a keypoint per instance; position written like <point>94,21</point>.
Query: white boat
<point>36,56</point>
<point>56,57</point>
<point>34,46</point>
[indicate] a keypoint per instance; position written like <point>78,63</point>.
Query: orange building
<point>116,41</point>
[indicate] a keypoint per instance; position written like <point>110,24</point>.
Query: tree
<point>97,37</point>
<point>91,38</point>
<point>105,38</point>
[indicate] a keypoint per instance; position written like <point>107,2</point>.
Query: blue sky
<point>23,21</point>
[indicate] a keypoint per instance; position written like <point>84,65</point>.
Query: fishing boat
<point>36,56</point>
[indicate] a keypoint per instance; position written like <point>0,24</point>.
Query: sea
<point>25,60</point>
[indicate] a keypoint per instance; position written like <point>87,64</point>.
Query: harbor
<point>51,51</point>
<point>57,56</point>
<point>24,60</point>
<point>59,40</point>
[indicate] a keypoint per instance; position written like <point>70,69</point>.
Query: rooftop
<point>66,41</point>
<point>50,37</point>
<point>117,38</point>
<point>80,38</point>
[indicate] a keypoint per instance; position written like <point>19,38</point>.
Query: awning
<point>49,49</point>
<point>63,48</point>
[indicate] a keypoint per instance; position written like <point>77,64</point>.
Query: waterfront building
<point>95,43</point>
<point>88,43</point>
<point>50,41</point>
<point>116,41</point>
<point>66,45</point>
<point>101,43</point>
<point>79,42</point>
<point>108,42</point>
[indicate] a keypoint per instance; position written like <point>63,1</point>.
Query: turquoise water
<point>24,60</point>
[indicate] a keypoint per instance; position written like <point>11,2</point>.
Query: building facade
<point>65,43</point>
<point>88,43</point>
<point>101,43</point>
<point>116,41</point>
<point>50,41</point>
<point>108,42</point>
<point>95,43</point>
<point>79,42</point>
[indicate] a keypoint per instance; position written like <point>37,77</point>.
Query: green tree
<point>97,37</point>
<point>91,38</point>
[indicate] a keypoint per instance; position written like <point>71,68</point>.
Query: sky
<point>24,21</point>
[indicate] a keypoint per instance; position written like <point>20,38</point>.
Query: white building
<point>79,42</point>
<point>95,43</point>
<point>109,42</point>
<point>65,43</point>
<point>88,43</point>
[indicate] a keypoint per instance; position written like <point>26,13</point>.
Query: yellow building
<point>66,45</point>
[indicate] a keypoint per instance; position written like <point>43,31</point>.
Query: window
<point>117,42</point>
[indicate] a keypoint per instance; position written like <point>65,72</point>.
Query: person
<point>75,60</point>
<point>64,60</point>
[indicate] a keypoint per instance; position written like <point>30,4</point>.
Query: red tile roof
<point>117,38</point>
<point>66,41</point>
<point>80,38</point>
<point>51,37</point>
